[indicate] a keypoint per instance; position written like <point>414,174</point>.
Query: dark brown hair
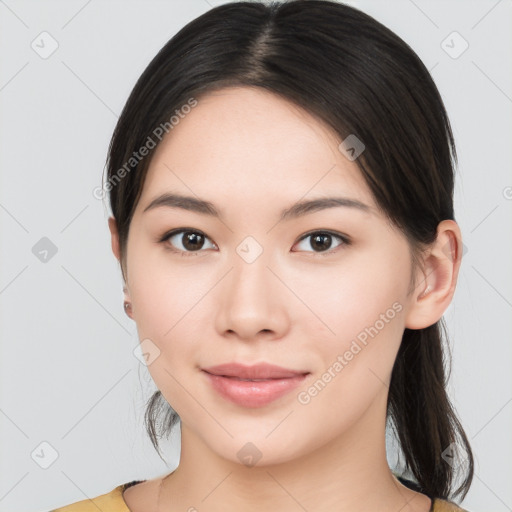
<point>360,78</point>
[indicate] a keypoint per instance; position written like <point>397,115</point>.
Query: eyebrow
<point>299,209</point>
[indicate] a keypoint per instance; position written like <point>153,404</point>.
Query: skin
<point>252,154</point>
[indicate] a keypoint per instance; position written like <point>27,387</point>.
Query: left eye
<point>190,241</point>
<point>323,240</point>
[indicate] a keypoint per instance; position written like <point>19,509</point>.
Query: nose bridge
<point>250,268</point>
<point>251,300</point>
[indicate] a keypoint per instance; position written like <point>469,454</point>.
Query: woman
<point>281,183</point>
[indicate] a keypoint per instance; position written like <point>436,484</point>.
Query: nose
<point>252,301</point>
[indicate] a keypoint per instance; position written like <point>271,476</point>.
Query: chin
<point>253,448</point>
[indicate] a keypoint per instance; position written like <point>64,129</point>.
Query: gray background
<point>69,376</point>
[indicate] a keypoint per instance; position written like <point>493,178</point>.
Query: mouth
<point>253,386</point>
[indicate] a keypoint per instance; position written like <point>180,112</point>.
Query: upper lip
<point>257,371</point>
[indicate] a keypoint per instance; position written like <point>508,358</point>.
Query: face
<point>324,293</point>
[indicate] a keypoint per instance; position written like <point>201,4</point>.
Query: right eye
<point>185,241</point>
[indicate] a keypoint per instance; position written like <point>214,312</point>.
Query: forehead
<point>244,140</point>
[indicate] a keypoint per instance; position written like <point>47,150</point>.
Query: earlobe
<point>434,291</point>
<point>127,305</point>
<point>114,236</point>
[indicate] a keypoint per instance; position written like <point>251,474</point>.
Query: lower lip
<point>253,393</point>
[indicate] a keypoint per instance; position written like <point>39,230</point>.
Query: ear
<point>114,237</point>
<point>438,278</point>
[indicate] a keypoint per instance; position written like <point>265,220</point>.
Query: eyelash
<point>164,238</point>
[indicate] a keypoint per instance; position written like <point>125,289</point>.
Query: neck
<point>350,473</point>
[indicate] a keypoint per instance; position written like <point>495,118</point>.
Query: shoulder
<point>440,505</point>
<point>112,501</point>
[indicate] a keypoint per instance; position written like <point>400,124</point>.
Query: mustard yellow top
<point>113,502</point>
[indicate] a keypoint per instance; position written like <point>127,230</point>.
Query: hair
<point>351,72</point>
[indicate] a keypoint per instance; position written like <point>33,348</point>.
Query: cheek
<point>361,309</point>
<point>169,309</point>
<point>163,295</point>
<point>354,372</point>
<point>341,302</point>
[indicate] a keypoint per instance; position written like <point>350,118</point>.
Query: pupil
<point>193,241</point>
<point>319,241</point>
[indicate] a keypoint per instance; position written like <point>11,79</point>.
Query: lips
<point>262,371</point>
<point>253,386</point>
